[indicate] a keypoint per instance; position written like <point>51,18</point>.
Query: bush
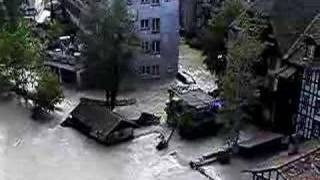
<point>48,92</point>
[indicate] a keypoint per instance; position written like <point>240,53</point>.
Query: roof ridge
<point>291,49</point>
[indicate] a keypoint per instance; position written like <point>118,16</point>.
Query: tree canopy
<point>238,80</point>
<point>21,61</point>
<point>47,91</point>
<point>109,44</point>
<point>10,10</point>
<point>214,39</point>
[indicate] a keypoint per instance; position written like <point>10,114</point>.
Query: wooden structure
<point>99,123</point>
<point>305,56</point>
<point>261,142</point>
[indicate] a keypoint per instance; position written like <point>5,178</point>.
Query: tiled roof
<point>289,18</point>
<point>296,53</point>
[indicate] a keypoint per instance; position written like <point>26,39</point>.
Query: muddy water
<point>192,61</point>
<point>44,150</point>
<point>33,150</point>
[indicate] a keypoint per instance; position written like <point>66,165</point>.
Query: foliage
<point>185,121</point>
<point>243,52</point>
<point>10,11</point>
<point>47,91</point>
<point>19,54</point>
<point>55,30</point>
<point>21,64</point>
<point>109,44</point>
<point>214,38</point>
<point>238,81</point>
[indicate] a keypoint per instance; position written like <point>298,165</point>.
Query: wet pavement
<point>43,150</point>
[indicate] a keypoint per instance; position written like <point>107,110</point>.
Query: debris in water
<point>17,142</point>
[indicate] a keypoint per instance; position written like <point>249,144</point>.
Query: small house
<point>100,123</point>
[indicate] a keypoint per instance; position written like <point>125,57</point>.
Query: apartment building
<point>156,25</point>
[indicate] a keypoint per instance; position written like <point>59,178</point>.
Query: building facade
<point>156,26</point>
<point>308,114</point>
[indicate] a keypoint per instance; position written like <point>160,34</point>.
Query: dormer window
<point>310,52</point>
<point>310,47</point>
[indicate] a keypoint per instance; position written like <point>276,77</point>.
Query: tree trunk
<point>51,9</point>
<point>107,96</point>
<point>113,99</point>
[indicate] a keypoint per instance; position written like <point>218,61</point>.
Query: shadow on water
<point>6,97</point>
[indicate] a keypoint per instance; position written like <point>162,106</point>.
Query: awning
<point>284,72</point>
<point>287,73</point>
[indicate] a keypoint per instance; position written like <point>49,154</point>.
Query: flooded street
<point>43,150</point>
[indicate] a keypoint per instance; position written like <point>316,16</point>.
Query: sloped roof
<point>289,18</point>
<point>196,98</point>
<point>98,117</point>
<point>296,53</point>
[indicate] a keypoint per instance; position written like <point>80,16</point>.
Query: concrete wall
<point>167,60</point>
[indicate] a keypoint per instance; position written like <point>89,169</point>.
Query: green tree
<point>214,39</point>
<point>21,65</point>
<point>55,29</point>
<point>239,81</point>
<point>109,46</point>
<point>239,77</point>
<point>48,92</point>
<point>20,55</point>
<point>10,10</point>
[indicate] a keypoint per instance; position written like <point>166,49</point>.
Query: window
<point>156,25</point>
<point>145,46</point>
<point>148,70</point>
<point>305,101</point>
<point>155,2</point>
<point>144,25</point>
<point>308,77</point>
<point>142,69</point>
<point>317,106</point>
<point>155,70</point>
<point>156,47</point>
<point>144,1</point>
